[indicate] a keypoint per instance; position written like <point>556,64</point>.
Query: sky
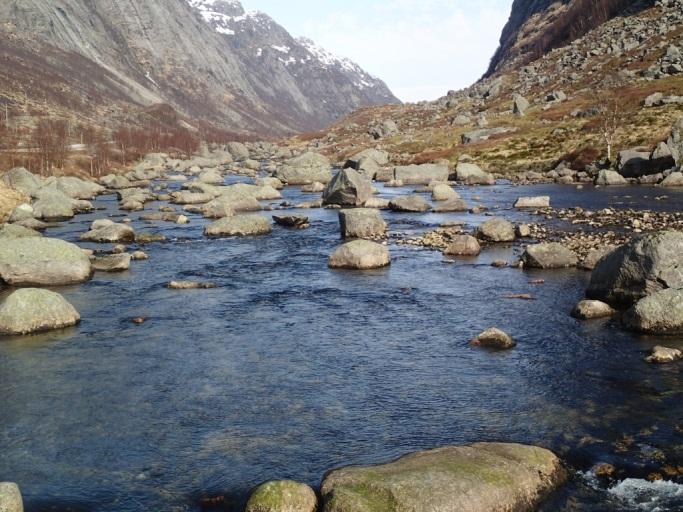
<point>420,48</point>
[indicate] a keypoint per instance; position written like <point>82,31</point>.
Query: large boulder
<point>632,163</point>
<point>32,310</point>
<point>421,174</point>
<point>640,268</point>
<point>471,174</point>
<point>43,262</point>
<point>12,231</point>
<point>305,169</point>
<point>519,104</point>
<point>497,230</point>
<point>463,245</point>
<point>239,225</point>
<point>21,180</point>
<point>109,232</point>
<point>675,142</point>
<point>362,223</point>
<point>444,192</point>
<point>10,498</point>
<point>549,255</point>
<point>610,178</point>
<point>409,204</point>
<point>112,263</point>
<point>481,477</point>
<point>360,255</point>
<point>382,129</point>
<point>675,179</point>
<point>347,188</point>
<point>53,205</point>
<point>115,182</point>
<point>451,205</point>
<point>237,150</point>
<point>77,188</point>
<point>659,313</point>
<point>282,496</point>
<point>376,155</point>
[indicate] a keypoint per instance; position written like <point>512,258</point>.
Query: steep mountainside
<point>538,26</point>
<point>208,59</point>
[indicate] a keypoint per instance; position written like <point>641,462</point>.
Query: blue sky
<point>421,48</point>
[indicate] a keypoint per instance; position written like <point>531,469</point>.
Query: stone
<point>463,245</point>
<point>237,150</point>
<point>497,230</point>
<point>421,174</point>
<point>292,221</point>
<point>12,231</point>
<point>139,256</point>
<point>675,179</point>
<point>112,234</point>
<point>187,197</point>
<point>640,268</point>
<point>592,309</point>
<point>594,256</point>
<point>610,178</point>
<point>114,182</point>
<point>444,192</point>
<point>53,205</point>
<point>239,225</point>
<point>313,188</point>
<point>10,498</point>
<point>305,169</point>
<point>31,310</point>
<point>212,177</point>
<point>548,256</point>
<point>21,180</point>
<point>484,134</point>
<point>480,477</point>
<point>383,129</point>
<point>634,164</point>
<point>523,231</point>
<point>43,262</point>
<point>149,238</point>
<point>519,104</point>
<point>360,255</point>
<point>269,182</point>
<point>658,313</point>
<point>663,355</point>
<point>452,205</point>
<point>282,496</point>
<point>494,338</point>
<point>675,142</point>
<point>19,213</point>
<point>411,204</point>
<point>362,223</point>
<point>533,202</point>
<point>77,188</point>
<point>347,188</point>
<point>377,202</point>
<point>471,174</point>
<point>190,285</point>
<point>112,263</point>
<point>378,156</point>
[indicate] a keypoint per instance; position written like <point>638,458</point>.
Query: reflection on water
<point>288,369</point>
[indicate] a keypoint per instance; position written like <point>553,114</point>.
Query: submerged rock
<point>495,339</point>
<point>548,256</point>
<point>640,268</point>
<point>43,262</point>
<point>497,230</point>
<point>190,285</point>
<point>659,313</point>
<point>362,223</point>
<point>663,355</point>
<point>592,309</point>
<point>360,255</point>
<point>10,498</point>
<point>112,263</point>
<point>292,221</point>
<point>239,225</point>
<point>482,477</point>
<point>31,310</point>
<point>282,496</point>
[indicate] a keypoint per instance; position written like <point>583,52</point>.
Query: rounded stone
<point>31,310</point>
<point>497,230</point>
<point>282,496</point>
<point>463,245</point>
<point>360,255</point>
<point>592,309</point>
<point>239,225</point>
<point>10,498</point>
<point>495,339</point>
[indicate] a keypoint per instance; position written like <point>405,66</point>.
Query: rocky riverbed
<point>213,347</point>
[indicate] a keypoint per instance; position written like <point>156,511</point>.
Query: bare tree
<point>611,117</point>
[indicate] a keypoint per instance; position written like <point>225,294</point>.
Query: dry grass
<point>9,199</point>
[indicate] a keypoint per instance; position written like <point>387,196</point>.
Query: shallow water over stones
<point>288,369</point>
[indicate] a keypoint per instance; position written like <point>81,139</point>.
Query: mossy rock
<point>282,496</point>
<point>31,310</point>
<point>482,477</point>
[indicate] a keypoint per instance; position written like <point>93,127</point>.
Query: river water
<point>289,369</point>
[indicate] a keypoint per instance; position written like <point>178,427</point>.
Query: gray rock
<point>548,256</point>
<point>421,174</point>
<point>43,262</point>
<point>362,223</point>
<point>360,255</point>
<point>663,355</point>
<point>594,256</point>
<point>409,204</point>
<point>187,197</point>
<point>190,285</point>
<point>675,179</point>
<point>484,134</point>
<point>444,192</point>
<point>10,498</point>
<point>292,221</point>
<point>482,477</point>
<point>21,180</point>
<point>471,174</point>
<point>497,230</point>
<point>675,142</point>
<point>111,234</point>
<point>239,225</point>
<point>452,205</point>
<point>610,178</point>
<point>53,205</point>
<point>376,155</point>
<point>519,104</point>
<point>77,188</point>
<point>12,231</point>
<point>533,202</point>
<point>305,169</point>
<point>634,164</point>
<point>383,129</point>
<point>237,150</point>
<point>282,496</point>
<point>347,188</point>
<point>31,310</point>
<point>22,212</point>
<point>592,309</point>
<point>212,177</point>
<point>640,268</point>
<point>463,245</point>
<point>112,263</point>
<point>115,182</point>
<point>658,313</point>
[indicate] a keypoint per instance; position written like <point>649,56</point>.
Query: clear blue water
<point>289,369</point>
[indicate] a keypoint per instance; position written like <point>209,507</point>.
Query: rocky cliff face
<point>208,59</point>
<point>537,26</point>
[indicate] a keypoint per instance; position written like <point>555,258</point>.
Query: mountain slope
<point>172,51</point>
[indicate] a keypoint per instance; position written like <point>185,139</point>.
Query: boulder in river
<point>495,339</point>
<point>112,263</point>
<point>282,496</point>
<point>31,310</point>
<point>54,205</point>
<point>659,313</point>
<point>444,192</point>
<point>471,174</point>
<point>292,221</point>
<point>549,255</point>
<point>592,309</point>
<point>497,230</point>
<point>463,245</point>
<point>409,204</point>
<point>481,477</point>
<point>663,355</point>
<point>640,268</point>
<point>10,498</point>
<point>239,225</point>
<point>421,174</point>
<point>675,179</point>
<point>610,178</point>
<point>362,223</point>
<point>109,233</point>
<point>11,231</point>
<point>347,188</point>
<point>43,262</point>
<point>360,255</point>
<point>533,202</point>
<point>190,285</point>
<point>305,169</point>
<point>451,205</point>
